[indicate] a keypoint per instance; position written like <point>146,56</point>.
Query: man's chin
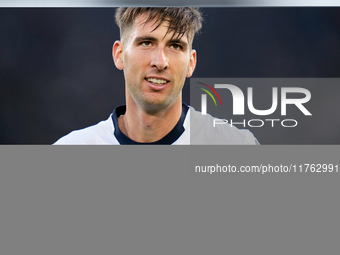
<point>155,106</point>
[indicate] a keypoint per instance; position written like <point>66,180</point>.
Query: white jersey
<point>192,128</point>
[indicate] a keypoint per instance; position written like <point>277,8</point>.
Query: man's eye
<point>176,46</point>
<point>146,43</point>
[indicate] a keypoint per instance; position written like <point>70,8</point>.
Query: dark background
<point>57,73</point>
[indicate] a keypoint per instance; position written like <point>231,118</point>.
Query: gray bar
<point>214,3</point>
<point>148,200</point>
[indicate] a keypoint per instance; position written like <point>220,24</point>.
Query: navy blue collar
<point>170,138</point>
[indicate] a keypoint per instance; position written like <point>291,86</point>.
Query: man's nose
<point>159,59</point>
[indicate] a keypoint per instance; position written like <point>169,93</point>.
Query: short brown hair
<point>182,20</point>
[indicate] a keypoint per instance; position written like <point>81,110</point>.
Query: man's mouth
<point>155,81</point>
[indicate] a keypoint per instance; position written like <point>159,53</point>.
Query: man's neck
<point>143,127</point>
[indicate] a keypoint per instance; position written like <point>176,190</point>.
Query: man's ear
<point>192,63</point>
<point>117,54</point>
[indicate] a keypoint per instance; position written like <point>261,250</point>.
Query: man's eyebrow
<point>153,39</point>
<point>145,38</point>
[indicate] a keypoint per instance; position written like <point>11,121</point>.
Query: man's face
<point>155,67</point>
